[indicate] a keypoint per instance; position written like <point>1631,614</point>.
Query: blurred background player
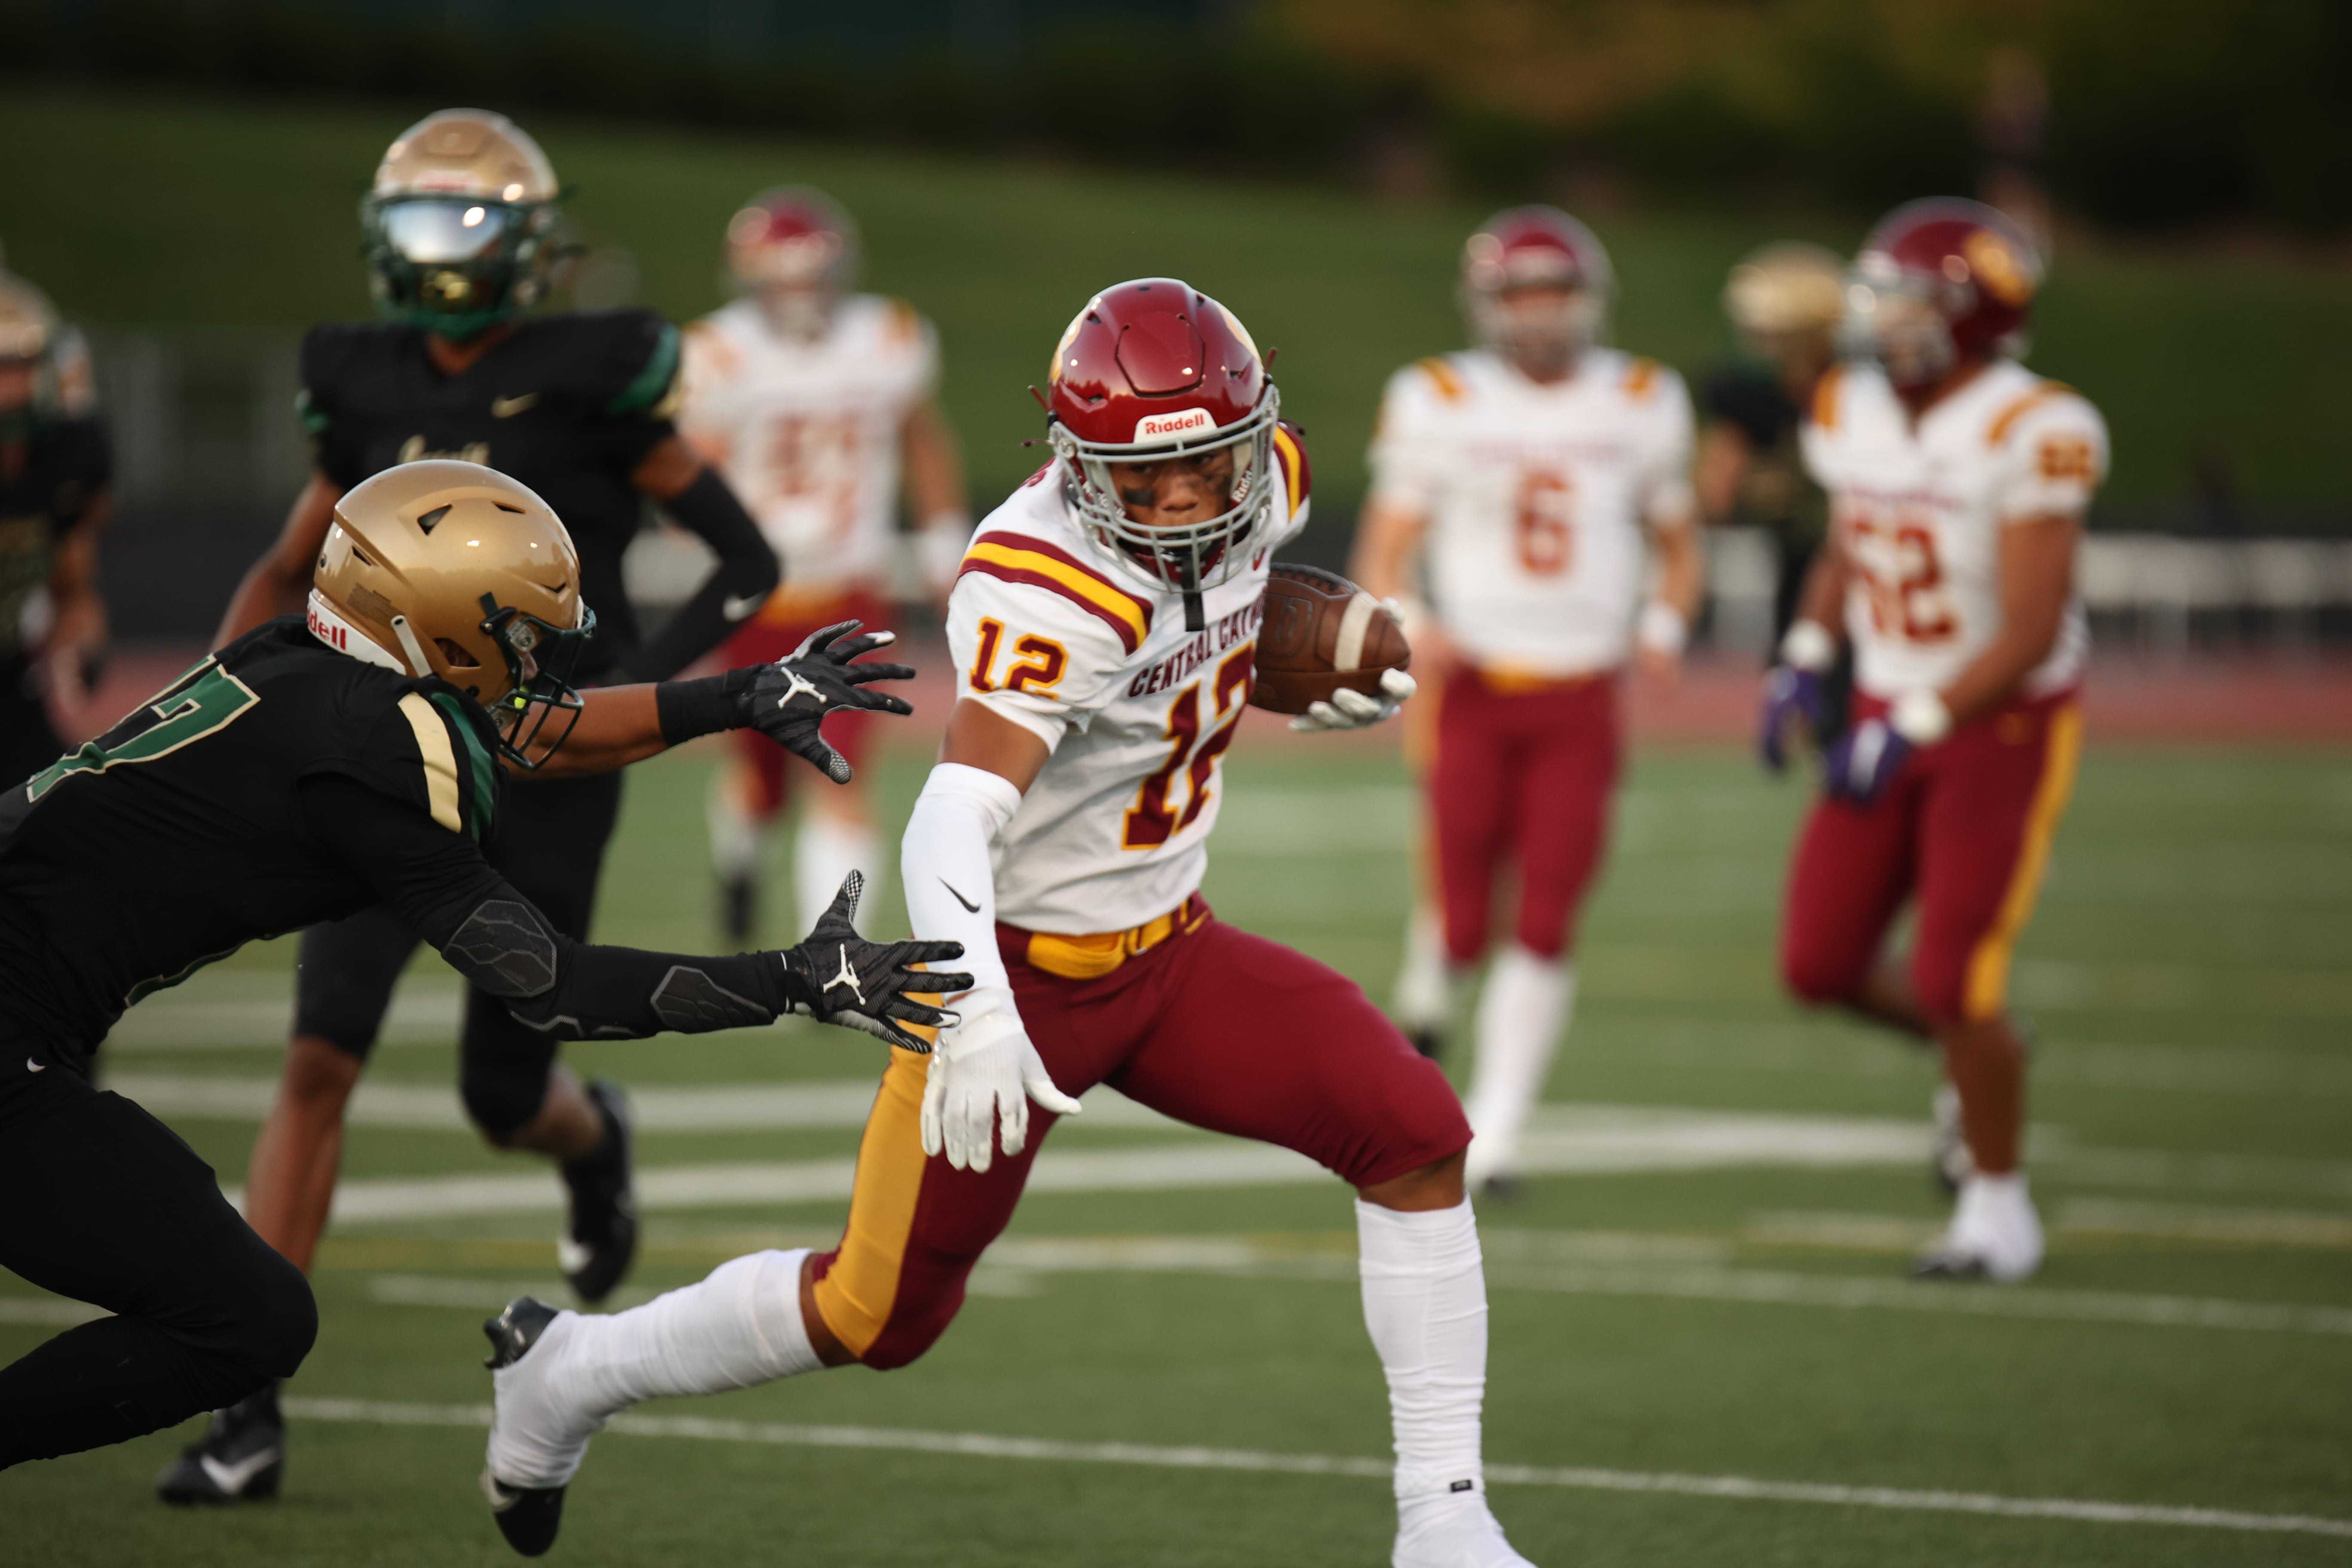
<point>1958,482</point>
<point>459,233</point>
<point>55,474</point>
<point>815,401</point>
<point>1108,607</point>
<point>1534,484</point>
<point>1785,301</point>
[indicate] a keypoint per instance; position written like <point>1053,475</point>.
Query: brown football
<point>1320,632</point>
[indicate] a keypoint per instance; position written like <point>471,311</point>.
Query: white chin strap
<point>327,624</point>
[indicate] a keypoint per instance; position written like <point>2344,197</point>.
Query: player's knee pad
<point>1818,976</point>
<point>929,1294</point>
<point>262,1318</point>
<point>502,1097</point>
<point>1941,986</point>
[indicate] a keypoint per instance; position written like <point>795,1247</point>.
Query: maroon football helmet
<point>1155,369</point>
<point>1528,248</point>
<point>796,252</point>
<point>1938,280</point>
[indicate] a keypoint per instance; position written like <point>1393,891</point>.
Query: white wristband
<point>940,545</point>
<point>1920,718</point>
<point>1662,628</point>
<point>1809,646</point>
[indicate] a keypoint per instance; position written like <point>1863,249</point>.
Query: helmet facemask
<point>540,660</point>
<point>1187,557</point>
<point>456,264</point>
<point>1893,317</point>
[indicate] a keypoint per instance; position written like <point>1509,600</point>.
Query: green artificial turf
<point>2192,1079</point>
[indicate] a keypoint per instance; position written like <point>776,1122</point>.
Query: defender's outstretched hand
<point>1354,710</point>
<point>981,1079</point>
<point>791,697</point>
<point>870,987</point>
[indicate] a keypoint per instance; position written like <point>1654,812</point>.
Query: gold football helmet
<point>450,569</point>
<point>1788,288</point>
<point>460,222</point>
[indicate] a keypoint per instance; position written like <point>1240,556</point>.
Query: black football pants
<point>106,1205</point>
<point>550,845</point>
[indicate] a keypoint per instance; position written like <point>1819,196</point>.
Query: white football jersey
<point>1139,710</point>
<point>1536,498</point>
<point>1918,514</point>
<point>808,432</point>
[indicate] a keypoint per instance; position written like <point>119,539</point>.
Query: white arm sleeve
<point>944,865</point>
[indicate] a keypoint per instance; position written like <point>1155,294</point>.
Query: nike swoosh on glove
<point>1863,761</point>
<point>1353,710</point>
<point>839,977</point>
<point>790,698</point>
<point>980,1080</point>
<point>1795,701</point>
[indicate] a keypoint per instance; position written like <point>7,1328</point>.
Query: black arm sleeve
<point>746,575</point>
<point>439,884</point>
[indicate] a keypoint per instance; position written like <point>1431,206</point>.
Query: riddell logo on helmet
<point>1153,425</point>
<point>334,637</point>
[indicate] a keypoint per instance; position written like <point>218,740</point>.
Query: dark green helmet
<point>459,225</point>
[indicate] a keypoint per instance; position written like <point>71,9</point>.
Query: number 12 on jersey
<point>1153,819</point>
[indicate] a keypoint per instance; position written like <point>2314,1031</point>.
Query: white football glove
<point>1354,710</point>
<point>982,1074</point>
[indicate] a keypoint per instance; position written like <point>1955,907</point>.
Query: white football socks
<point>1425,991</point>
<point>734,832</point>
<point>1425,1306</point>
<point>740,1327</point>
<point>826,850</point>
<point>1521,1017</point>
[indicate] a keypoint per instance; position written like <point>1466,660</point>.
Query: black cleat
<point>1502,1188</point>
<point>528,1517</point>
<point>1945,1263</point>
<point>1430,1042</point>
<point>240,1458</point>
<point>739,908</point>
<point>600,1235</point>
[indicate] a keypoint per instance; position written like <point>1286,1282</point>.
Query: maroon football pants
<point>1522,778</point>
<point>1211,1025</point>
<point>1966,829</point>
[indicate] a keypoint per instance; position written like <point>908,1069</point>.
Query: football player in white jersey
<point>1541,483</point>
<point>819,404</point>
<point>1104,624</point>
<point>1957,483</point>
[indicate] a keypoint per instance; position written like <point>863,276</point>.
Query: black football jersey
<point>569,404</point>
<point>44,495</point>
<point>1777,494</point>
<point>177,836</point>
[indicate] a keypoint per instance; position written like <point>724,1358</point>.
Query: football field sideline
<point>1049,1450</point>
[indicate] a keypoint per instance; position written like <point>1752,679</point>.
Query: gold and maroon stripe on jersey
<point>1017,558</point>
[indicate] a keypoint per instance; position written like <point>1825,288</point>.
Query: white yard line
<point>986,1445</point>
<point>758,1107</point>
<point>1565,1140</point>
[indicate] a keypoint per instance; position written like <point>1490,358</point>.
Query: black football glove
<point>839,978</point>
<point>789,699</point>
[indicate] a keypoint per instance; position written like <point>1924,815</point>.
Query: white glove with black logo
<point>982,1074</point>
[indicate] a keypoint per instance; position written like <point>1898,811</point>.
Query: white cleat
<point>1450,1531</point>
<point>1994,1235</point>
<point>538,1436</point>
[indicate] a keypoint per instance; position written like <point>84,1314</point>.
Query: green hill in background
<point>142,210</point>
